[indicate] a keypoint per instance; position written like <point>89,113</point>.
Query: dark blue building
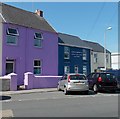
<point>74,55</point>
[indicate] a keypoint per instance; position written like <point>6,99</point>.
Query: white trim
<point>73,46</point>
<point>49,76</point>
<point>1,45</point>
<point>2,17</point>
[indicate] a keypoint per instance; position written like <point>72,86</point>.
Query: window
<point>66,53</point>
<point>66,69</point>
<point>38,40</point>
<point>107,59</point>
<point>95,58</point>
<point>12,36</point>
<point>76,69</point>
<point>37,67</point>
<point>84,54</point>
<point>85,70</point>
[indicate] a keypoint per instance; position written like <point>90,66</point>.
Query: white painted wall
<point>100,60</point>
<point>115,57</point>
<point>1,41</point>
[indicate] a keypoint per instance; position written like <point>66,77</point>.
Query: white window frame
<point>66,52</point>
<point>38,39</point>
<point>12,62</point>
<point>84,54</point>
<point>76,69</point>
<point>66,68</point>
<point>12,35</point>
<point>37,66</point>
<point>95,58</point>
<point>85,67</point>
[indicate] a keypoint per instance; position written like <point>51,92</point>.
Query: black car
<point>102,81</point>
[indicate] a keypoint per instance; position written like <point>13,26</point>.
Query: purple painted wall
<point>25,53</point>
<point>32,82</point>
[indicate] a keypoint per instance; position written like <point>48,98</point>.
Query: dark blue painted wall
<point>76,58</point>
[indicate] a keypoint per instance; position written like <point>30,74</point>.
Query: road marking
<point>6,113</point>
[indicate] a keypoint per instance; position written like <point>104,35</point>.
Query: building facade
<point>98,56</point>
<point>28,43</point>
<point>115,60</point>
<point>74,55</point>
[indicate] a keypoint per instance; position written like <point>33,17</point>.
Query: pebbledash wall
<point>24,53</point>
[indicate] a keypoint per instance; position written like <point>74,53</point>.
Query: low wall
<point>34,82</point>
<point>8,82</point>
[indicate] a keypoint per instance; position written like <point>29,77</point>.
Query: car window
<point>96,75</point>
<point>64,77</point>
<point>77,77</point>
<point>107,76</point>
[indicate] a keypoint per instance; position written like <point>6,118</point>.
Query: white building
<point>97,56</point>
<point>115,60</point>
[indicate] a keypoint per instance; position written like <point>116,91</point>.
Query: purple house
<point>27,43</point>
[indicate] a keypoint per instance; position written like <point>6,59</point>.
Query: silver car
<point>73,82</point>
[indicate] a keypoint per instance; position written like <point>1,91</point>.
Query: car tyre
<point>95,88</point>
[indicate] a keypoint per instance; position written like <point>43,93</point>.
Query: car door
<point>91,79</point>
<point>63,81</point>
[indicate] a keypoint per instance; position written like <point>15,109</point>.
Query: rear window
<point>107,76</point>
<point>77,77</point>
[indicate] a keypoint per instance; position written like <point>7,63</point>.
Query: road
<point>56,104</point>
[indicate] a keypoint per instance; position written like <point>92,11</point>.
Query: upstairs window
<point>38,40</point>
<point>107,59</point>
<point>37,67</point>
<point>12,36</point>
<point>84,54</point>
<point>66,53</point>
<point>95,58</point>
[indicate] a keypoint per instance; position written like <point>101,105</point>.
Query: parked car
<point>102,81</point>
<point>73,82</point>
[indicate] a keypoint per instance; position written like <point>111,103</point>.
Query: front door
<point>10,66</point>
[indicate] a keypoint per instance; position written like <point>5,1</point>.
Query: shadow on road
<point>5,97</point>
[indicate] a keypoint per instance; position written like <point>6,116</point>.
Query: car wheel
<point>65,91</point>
<point>95,88</point>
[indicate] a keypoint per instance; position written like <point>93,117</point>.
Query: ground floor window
<point>85,70</point>
<point>37,67</point>
<point>66,69</point>
<point>10,66</point>
<point>76,69</point>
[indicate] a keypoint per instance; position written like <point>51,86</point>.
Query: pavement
<point>23,91</point>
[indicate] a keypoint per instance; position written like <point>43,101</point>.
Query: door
<point>10,66</point>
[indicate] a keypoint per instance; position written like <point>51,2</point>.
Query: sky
<point>87,20</point>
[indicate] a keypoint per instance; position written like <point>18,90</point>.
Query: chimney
<point>39,12</point>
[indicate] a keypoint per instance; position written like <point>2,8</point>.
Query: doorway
<point>10,66</point>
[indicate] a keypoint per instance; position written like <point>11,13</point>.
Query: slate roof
<point>71,40</point>
<point>95,46</point>
<point>25,18</point>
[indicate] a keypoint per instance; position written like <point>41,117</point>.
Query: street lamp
<point>109,28</point>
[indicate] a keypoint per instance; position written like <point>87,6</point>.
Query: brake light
<point>69,78</point>
<point>99,79</point>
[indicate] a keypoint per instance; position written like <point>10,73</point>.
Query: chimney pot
<point>39,12</point>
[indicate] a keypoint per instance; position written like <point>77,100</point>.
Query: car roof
<point>75,74</point>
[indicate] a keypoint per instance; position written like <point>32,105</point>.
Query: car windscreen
<point>106,76</point>
<point>77,77</point>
